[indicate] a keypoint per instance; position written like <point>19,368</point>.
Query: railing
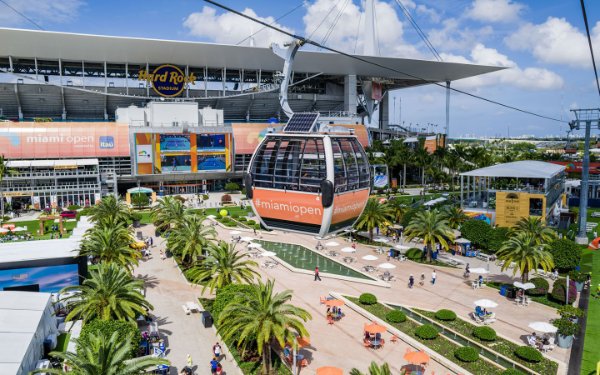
<point>17,176</point>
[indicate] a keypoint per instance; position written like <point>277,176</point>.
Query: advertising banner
<point>50,279</point>
<point>52,140</point>
<point>144,154</point>
<point>349,205</point>
<point>288,205</point>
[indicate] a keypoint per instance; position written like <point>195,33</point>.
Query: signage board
<point>167,80</point>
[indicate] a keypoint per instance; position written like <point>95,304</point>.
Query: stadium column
<point>350,97</point>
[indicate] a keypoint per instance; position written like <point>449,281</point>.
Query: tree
<point>191,238</point>
<point>455,216</point>
<point>5,171</point>
<point>224,266</point>
<point>534,226</point>
<point>477,231</point>
<point>398,209</point>
<point>167,213</point>
<point>374,215</point>
<point>432,227</point>
<point>526,253</point>
<point>262,316</point>
<point>140,200</point>
<point>109,293</point>
<point>104,355</point>
<point>566,254</point>
<point>374,369</point>
<point>110,208</point>
<point>124,331</point>
<point>232,187</point>
<point>107,243</point>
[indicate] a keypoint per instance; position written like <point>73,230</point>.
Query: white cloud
<point>528,78</point>
<point>433,15</point>
<point>453,37</point>
<point>495,10</point>
<point>229,28</point>
<point>555,41</point>
<point>40,11</point>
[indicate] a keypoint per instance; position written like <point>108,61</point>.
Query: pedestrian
<point>162,255</point>
<point>354,245</point>
<point>217,350</point>
<point>317,277</point>
<point>151,241</point>
<point>422,281</point>
<point>190,362</point>
<point>411,281</point>
<point>214,365</point>
<point>255,231</point>
<point>433,277</point>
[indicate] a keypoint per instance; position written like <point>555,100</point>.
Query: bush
<point>205,197</point>
<point>565,326</point>
<point>414,253</point>
<point>426,332</point>
<point>568,311</point>
<point>136,216</point>
<point>541,287</point>
<point>446,315</point>
<point>466,354</point>
<point>559,291</point>
<point>242,218</point>
<point>529,354</point>
<point>367,299</point>
<point>566,254</point>
<point>107,328</point>
<point>256,226</point>
<point>225,295</point>
<point>512,371</point>
<point>73,207</point>
<point>395,316</point>
<point>478,232</point>
<point>235,216</point>
<point>250,222</point>
<point>139,200</point>
<point>226,198</point>
<point>578,276</point>
<point>484,333</point>
<point>232,186</point>
<point>497,239</point>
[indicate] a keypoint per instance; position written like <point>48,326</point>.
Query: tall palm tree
<point>374,215</point>
<point>455,216</point>
<point>432,227</point>
<point>262,316</point>
<point>374,369</point>
<point>168,211</point>
<point>398,209</point>
<point>4,172</point>
<point>104,356</point>
<point>422,160</point>
<point>526,253</point>
<point>109,294</point>
<point>191,238</point>
<point>110,244</point>
<point>223,266</point>
<point>536,228</point>
<point>111,208</point>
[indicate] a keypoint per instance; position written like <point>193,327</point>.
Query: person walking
<point>433,277</point>
<point>214,365</point>
<point>411,281</point>
<point>217,350</point>
<point>189,361</point>
<point>317,277</point>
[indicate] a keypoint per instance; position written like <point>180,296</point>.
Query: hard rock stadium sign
<point>167,80</point>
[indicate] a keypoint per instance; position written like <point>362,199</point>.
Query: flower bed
<point>500,345</point>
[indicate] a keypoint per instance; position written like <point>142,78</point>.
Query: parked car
<point>68,214</point>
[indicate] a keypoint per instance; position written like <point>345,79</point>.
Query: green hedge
<point>559,291</point>
<point>529,354</point>
<point>466,354</point>
<point>484,333</point>
<point>541,287</point>
<point>512,371</point>
<point>566,254</point>
<point>478,232</point>
<point>426,332</point>
<point>367,299</point>
<point>446,315</point>
<point>413,253</point>
<point>395,316</point>
<point>106,328</point>
<point>225,296</point>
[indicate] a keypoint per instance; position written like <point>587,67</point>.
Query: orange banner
<point>29,140</point>
<point>288,205</point>
<point>349,205</point>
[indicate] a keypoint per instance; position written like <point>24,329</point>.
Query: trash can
<point>207,319</point>
<point>503,290</point>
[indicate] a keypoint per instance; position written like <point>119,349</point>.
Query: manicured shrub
<point>478,232</point>
<point>395,316</point>
<point>225,295</point>
<point>367,299</point>
<point>566,254</point>
<point>256,226</point>
<point>559,291</point>
<point>529,354</point>
<point>136,216</point>
<point>107,328</point>
<point>414,253</point>
<point>139,200</point>
<point>232,186</point>
<point>484,333</point>
<point>569,311</point>
<point>251,222</point>
<point>497,238</point>
<point>512,371</point>
<point>541,287</point>
<point>426,332</point>
<point>73,207</point>
<point>205,197</point>
<point>466,354</point>
<point>446,315</point>
<point>242,218</point>
<point>226,198</point>
<point>235,216</point>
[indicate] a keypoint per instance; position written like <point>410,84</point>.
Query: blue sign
<point>107,142</point>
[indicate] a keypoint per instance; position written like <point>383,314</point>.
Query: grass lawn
<point>591,349</point>
<point>33,226</point>
<point>62,342</point>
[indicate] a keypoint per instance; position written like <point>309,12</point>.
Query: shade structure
<point>479,270</point>
<point>543,327</point>
<point>370,257</point>
<point>518,284</point>
<point>416,357</point>
<point>235,232</point>
<point>254,246</point>
<point>247,239</point>
<point>381,239</point>
<point>402,247</point>
<point>211,217</point>
<point>332,244</point>
<point>527,286</point>
<point>334,302</point>
<point>19,229</point>
<point>268,254</point>
<point>387,266</point>
<point>4,230</point>
<point>374,328</point>
<point>485,303</point>
<point>348,250</point>
<point>328,370</point>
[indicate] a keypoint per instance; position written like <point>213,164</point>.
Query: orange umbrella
<point>416,358</point>
<point>303,341</point>
<point>328,370</point>
<point>374,328</point>
<point>334,302</point>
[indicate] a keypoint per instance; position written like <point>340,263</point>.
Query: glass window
<point>313,169</point>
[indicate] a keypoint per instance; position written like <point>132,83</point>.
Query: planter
<point>564,341</point>
<point>579,286</point>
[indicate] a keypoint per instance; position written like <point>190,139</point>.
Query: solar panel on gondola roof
<point>301,123</point>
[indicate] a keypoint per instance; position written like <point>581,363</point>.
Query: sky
<point>542,44</point>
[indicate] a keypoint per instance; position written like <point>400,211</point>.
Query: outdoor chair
<point>476,318</point>
<point>394,339</point>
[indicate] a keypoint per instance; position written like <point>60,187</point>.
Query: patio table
<point>376,343</point>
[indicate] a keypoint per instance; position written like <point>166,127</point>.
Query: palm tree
<point>169,210</point>
<point>223,266</point>
<point>104,356</point>
<point>191,238</point>
<point>111,208</point>
<point>262,316</point>
<point>374,215</point>
<point>526,253</point>
<point>536,228</point>
<point>4,172</point>
<point>374,369</point>
<point>109,294</point>
<point>110,244</point>
<point>432,227</point>
<point>422,160</point>
<point>398,209</point>
<point>455,216</point>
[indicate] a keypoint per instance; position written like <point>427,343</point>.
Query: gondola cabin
<point>309,178</point>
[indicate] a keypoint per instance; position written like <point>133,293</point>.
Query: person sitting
<point>480,280</point>
<point>328,313</point>
<point>545,341</point>
<point>479,311</point>
<point>532,340</point>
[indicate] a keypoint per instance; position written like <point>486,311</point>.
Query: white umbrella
<point>387,266</point>
<point>518,284</point>
<point>485,303</point>
<point>382,240</point>
<point>479,270</point>
<point>211,217</point>
<point>370,257</point>
<point>528,286</point>
<point>254,246</point>
<point>4,230</point>
<point>348,250</point>
<point>247,239</point>
<point>402,247</point>
<point>268,254</point>
<point>19,229</point>
<point>235,232</point>
<point>543,327</point>
<point>332,244</point>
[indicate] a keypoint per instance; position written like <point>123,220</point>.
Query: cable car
<point>310,178</point>
<point>570,147</point>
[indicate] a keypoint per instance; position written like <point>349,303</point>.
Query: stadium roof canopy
<point>19,43</point>
<point>518,169</point>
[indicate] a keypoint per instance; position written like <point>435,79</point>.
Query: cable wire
<point>305,40</point>
<point>264,27</point>
<point>22,15</point>
<point>335,21</point>
<point>587,29</point>
<point>419,31</point>
<point>324,18</point>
